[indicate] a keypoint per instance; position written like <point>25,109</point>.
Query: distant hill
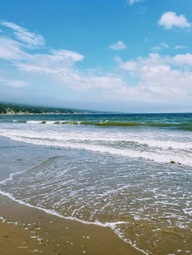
<point>8,108</point>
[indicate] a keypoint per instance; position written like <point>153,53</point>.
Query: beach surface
<point>25,230</point>
<point>74,188</point>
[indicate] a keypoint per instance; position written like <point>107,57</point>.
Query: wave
<point>148,141</point>
<point>158,151</point>
<point>171,125</point>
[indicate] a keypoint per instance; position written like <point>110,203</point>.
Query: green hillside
<point>8,108</point>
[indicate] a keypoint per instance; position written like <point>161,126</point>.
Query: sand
<point>26,230</point>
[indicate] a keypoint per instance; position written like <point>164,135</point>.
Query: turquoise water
<point>116,170</point>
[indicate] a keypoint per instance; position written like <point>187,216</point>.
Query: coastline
<point>25,230</point>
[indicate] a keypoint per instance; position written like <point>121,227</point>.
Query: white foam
<point>165,144</point>
<point>188,211</point>
<point>34,122</point>
<point>84,141</point>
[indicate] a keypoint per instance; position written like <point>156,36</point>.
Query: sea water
<point>131,172</point>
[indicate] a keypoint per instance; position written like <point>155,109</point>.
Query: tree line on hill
<point>8,108</point>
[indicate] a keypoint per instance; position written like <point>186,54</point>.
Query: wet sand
<point>25,230</point>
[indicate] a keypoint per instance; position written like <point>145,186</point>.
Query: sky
<point>106,55</point>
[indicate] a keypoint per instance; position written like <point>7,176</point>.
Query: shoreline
<point>25,230</point>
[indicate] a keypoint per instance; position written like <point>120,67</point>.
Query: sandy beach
<point>25,230</point>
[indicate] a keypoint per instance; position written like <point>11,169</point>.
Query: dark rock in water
<point>172,162</point>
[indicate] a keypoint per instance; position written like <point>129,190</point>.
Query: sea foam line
<point>160,158</point>
<point>97,137</point>
<point>154,156</point>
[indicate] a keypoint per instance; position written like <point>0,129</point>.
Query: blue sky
<point>117,55</point>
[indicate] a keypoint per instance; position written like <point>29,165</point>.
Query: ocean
<point>129,172</point>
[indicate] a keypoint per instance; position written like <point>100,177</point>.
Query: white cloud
<point>10,49</point>
<point>53,62</point>
<point>169,20</point>
<point>23,35</point>
<point>66,54</point>
<point>119,45</point>
<point>177,47</point>
<point>183,59</point>
<point>159,78</point>
<point>131,2</point>
<point>160,46</point>
<point>16,52</point>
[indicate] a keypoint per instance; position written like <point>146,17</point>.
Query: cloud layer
<point>152,80</point>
